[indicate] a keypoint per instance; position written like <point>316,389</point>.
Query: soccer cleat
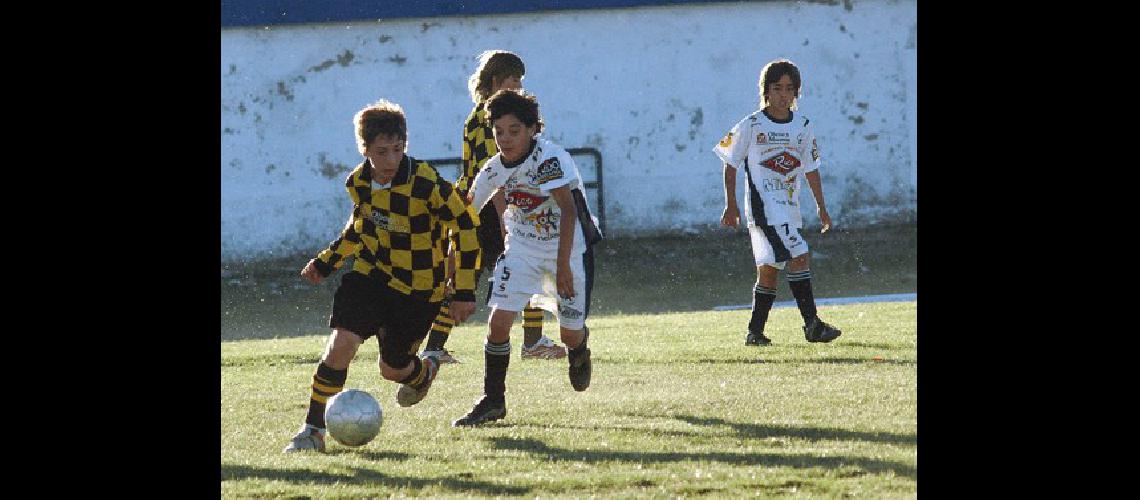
<point>544,349</point>
<point>580,366</point>
<point>755,338</point>
<point>818,331</point>
<point>308,438</point>
<point>443,355</point>
<point>407,395</point>
<point>485,410</point>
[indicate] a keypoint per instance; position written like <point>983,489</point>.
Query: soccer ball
<point>353,417</point>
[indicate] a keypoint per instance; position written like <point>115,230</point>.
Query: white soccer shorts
<point>775,245</point>
<point>520,279</point>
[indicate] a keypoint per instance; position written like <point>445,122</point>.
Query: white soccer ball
<point>353,417</point>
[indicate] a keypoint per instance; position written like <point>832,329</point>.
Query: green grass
<point>677,407</point>
<point>267,299</point>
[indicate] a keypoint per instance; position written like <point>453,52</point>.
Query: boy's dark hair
<point>382,117</point>
<point>492,64</point>
<point>772,73</point>
<point>514,102</point>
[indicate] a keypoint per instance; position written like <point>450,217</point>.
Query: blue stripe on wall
<point>238,13</point>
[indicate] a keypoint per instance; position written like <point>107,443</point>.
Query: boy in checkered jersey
<point>548,259</point>
<point>498,69</point>
<point>400,209</point>
<point>776,148</point>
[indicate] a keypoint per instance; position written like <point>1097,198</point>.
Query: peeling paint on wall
<point>331,170</point>
<point>343,59</point>
<point>653,101</point>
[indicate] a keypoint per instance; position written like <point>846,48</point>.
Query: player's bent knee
<point>500,325</point>
<point>341,349</point>
<point>799,263</point>
<point>572,338</point>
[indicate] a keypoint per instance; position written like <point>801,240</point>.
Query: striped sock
<point>762,298</point>
<point>497,358</point>
<point>440,329</point>
<point>532,325</point>
<point>418,375</point>
<point>800,282</point>
<point>327,382</point>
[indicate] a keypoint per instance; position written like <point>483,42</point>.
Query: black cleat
<point>757,339</point>
<point>818,331</point>
<point>485,410</point>
<point>580,365</point>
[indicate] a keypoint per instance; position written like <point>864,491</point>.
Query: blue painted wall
<point>238,13</point>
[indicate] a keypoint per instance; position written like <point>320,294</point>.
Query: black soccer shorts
<point>366,304</point>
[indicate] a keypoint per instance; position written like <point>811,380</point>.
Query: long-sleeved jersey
<point>396,232</point>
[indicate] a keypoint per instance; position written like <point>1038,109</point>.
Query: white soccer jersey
<point>773,155</point>
<point>532,217</point>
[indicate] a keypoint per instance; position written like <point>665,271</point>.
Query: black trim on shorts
<point>588,266</point>
<point>758,216</point>
<point>773,237</point>
<point>490,235</point>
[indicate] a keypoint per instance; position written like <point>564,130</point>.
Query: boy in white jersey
<point>776,148</point>
<point>547,259</point>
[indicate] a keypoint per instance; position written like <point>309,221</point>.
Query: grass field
<point>678,406</point>
<point>266,299</point>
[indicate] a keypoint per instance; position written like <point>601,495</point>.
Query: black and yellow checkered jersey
<point>397,232</point>
<point>478,147</point>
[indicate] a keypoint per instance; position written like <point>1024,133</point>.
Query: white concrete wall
<point>653,88</point>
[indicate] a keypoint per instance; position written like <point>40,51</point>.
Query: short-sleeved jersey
<point>774,154</point>
<point>532,218</point>
<point>478,146</point>
<point>395,232</point>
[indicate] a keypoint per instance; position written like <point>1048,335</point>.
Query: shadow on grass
<point>588,428</point>
<point>800,361</point>
<point>365,477</point>
<point>800,461</point>
<point>375,456</point>
<point>271,360</point>
<point>811,433</point>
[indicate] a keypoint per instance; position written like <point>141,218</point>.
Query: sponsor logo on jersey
<point>383,221</point>
<point>814,151</point>
<point>548,171</point>
<point>761,138</point>
<point>524,200</point>
<point>726,142</point>
<point>569,313</point>
<point>544,222</point>
<point>790,186</point>
<point>781,163</point>
<point>783,137</point>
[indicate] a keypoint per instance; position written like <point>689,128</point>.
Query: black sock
<point>497,358</point>
<point>327,382</point>
<point>800,282</point>
<point>762,298</point>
